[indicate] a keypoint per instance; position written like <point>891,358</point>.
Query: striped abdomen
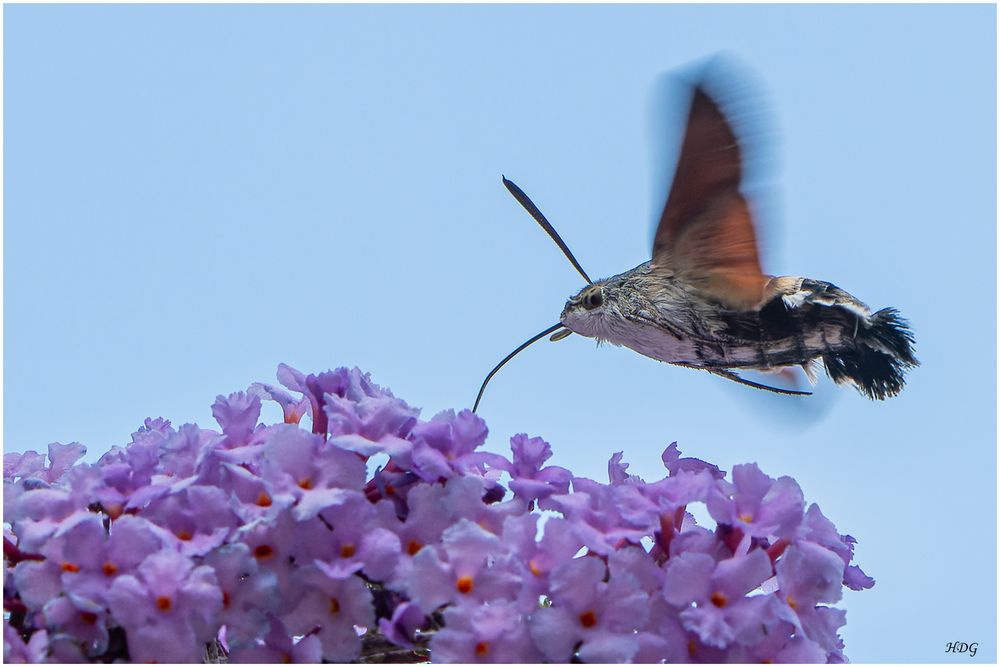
<point>811,319</point>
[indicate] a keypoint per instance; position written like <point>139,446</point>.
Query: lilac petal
<point>338,467</point>
<point>379,550</point>
<point>63,614</point>
<point>666,639</point>
<point>340,643</point>
<point>653,649</point>
<point>810,573</point>
<point>555,631</point>
<point>575,583</point>
<point>335,606</point>
<point>633,561</point>
<point>16,464</point>
<point>800,650</point>
<point>201,599</point>
<point>531,489</point>
<point>129,600</point>
<point>339,569</point>
<point>289,451</point>
<point>355,442</point>
<point>452,646</point>
<point>79,539</point>
<point>429,583</point>
<point>308,650</point>
<point>33,535</point>
<point>165,571</point>
<point>291,378</point>
<point>37,582</point>
<point>470,430</point>
<point>856,579</point>
<point>163,642</point>
<point>44,503</point>
<point>406,619</point>
<point>739,575</point>
<point>625,607</point>
<point>558,545</point>
<point>529,453</point>
<point>676,465</point>
<point>132,539</point>
<point>500,581</point>
<point>608,647</point>
<point>783,507</point>
<point>145,495</point>
<point>430,464</point>
<point>617,470</point>
<point>14,649</point>
<point>634,508</point>
<point>317,500</point>
<point>292,409</point>
<point>61,457</point>
<point>710,624</point>
<point>237,414</point>
<point>754,619</point>
<point>468,546</point>
<point>821,625</point>
<point>688,578</point>
<point>494,633</point>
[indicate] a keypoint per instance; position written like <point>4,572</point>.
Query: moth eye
<point>593,300</point>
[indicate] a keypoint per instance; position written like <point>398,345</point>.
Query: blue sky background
<point>193,194</point>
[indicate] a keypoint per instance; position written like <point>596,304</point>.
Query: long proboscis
<point>510,356</point>
<point>530,207</point>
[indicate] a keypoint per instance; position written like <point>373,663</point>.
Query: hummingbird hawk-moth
<point>703,302</point>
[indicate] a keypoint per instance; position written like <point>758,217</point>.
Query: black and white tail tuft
<point>880,357</point>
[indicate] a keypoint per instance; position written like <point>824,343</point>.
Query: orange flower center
<point>482,648</point>
<point>164,603</point>
<point>791,601</point>
<point>588,619</point>
<point>533,566</point>
<point>264,500</point>
<point>184,536</point>
<point>412,547</point>
<point>334,606</point>
<point>719,599</point>
<point>263,551</point>
<point>225,599</point>
<point>70,567</point>
<point>109,569</point>
<point>305,484</point>
<point>464,585</point>
<point>88,617</point>
<point>347,550</point>
<point>746,518</point>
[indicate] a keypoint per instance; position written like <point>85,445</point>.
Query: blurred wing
<point>706,234</point>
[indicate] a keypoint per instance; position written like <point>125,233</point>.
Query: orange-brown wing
<point>706,233</point>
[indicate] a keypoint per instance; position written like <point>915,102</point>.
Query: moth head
<point>584,309</point>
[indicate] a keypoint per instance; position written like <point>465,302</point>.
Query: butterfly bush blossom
<point>375,535</point>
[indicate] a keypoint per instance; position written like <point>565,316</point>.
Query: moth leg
<point>729,375</point>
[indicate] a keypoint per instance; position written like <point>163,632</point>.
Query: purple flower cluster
<point>373,534</point>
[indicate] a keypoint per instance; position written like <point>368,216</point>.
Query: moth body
<point>703,301</point>
<point>798,322</point>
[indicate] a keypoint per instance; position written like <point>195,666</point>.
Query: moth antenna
<point>729,375</point>
<point>530,207</point>
<point>511,356</point>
